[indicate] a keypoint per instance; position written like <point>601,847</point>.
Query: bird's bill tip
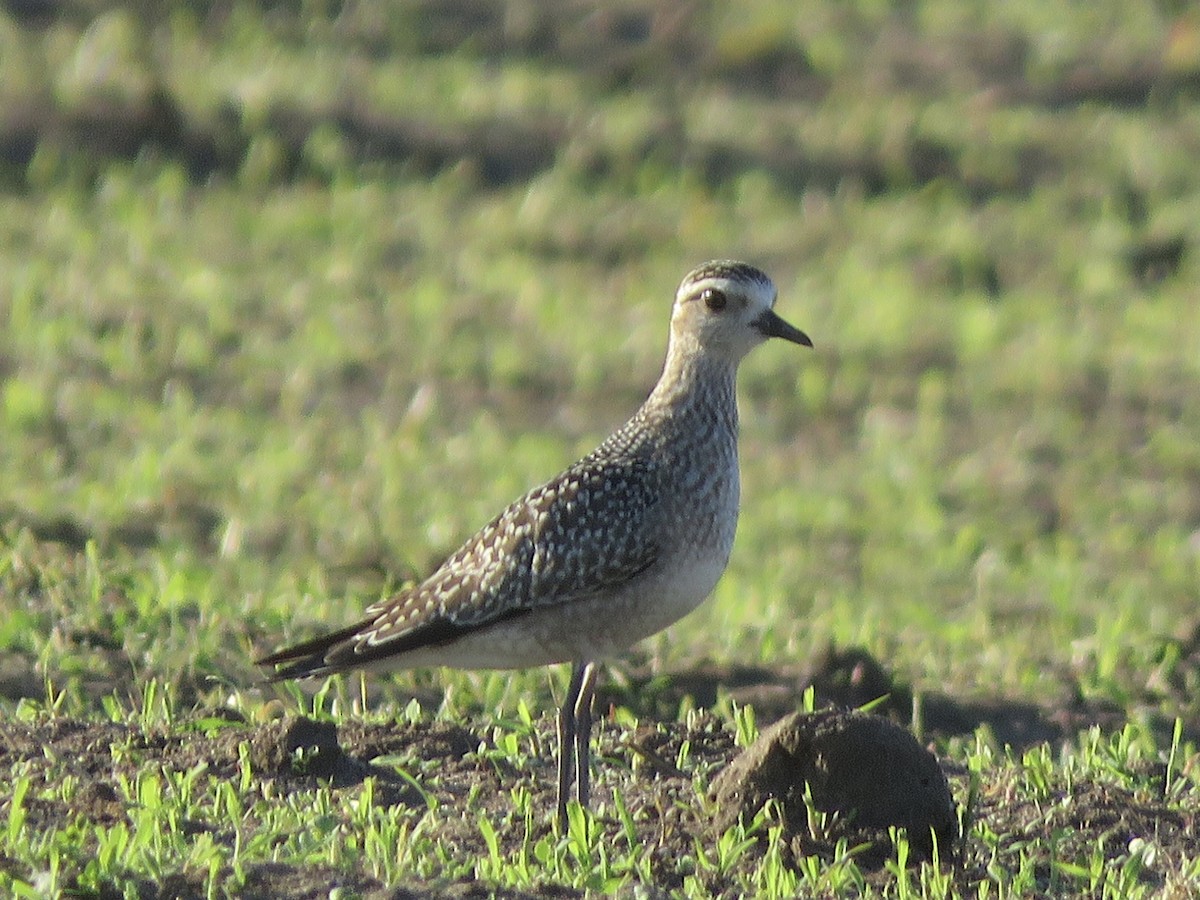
<point>771,325</point>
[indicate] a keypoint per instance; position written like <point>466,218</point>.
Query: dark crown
<point>730,269</point>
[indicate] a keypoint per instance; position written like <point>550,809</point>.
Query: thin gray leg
<point>583,733</point>
<point>567,734</point>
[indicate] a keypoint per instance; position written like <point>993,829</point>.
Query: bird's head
<point>727,309</point>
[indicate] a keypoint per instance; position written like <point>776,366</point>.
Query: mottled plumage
<point>618,546</point>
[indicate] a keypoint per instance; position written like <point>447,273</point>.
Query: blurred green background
<point>297,295</point>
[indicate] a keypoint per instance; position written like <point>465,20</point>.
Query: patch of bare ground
<point>457,766</point>
<point>1092,820</point>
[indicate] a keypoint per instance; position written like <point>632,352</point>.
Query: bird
<point>620,545</point>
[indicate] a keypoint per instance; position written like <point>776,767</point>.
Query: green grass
<point>249,401</point>
<point>218,824</point>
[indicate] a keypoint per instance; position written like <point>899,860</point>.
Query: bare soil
<point>660,798</point>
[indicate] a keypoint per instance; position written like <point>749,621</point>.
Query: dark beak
<point>770,325</point>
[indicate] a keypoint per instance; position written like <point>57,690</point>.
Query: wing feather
<point>585,532</point>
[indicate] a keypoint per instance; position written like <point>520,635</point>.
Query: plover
<point>616,548</point>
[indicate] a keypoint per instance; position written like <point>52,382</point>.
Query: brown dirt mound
<point>865,771</point>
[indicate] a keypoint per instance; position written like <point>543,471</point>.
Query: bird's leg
<point>583,732</point>
<point>566,739</point>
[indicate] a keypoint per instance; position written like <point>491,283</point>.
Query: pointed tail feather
<point>360,645</point>
<point>310,658</point>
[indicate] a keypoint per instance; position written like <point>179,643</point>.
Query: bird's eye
<point>714,299</point>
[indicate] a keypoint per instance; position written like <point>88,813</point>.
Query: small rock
<point>864,767</point>
<point>98,801</point>
<point>273,748</point>
<point>19,677</point>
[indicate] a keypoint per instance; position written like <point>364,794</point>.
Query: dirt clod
<point>98,801</point>
<point>865,769</point>
<point>296,742</point>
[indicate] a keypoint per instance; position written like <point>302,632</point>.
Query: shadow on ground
<point>851,678</point>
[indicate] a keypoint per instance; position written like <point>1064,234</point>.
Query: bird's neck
<point>697,383</point>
